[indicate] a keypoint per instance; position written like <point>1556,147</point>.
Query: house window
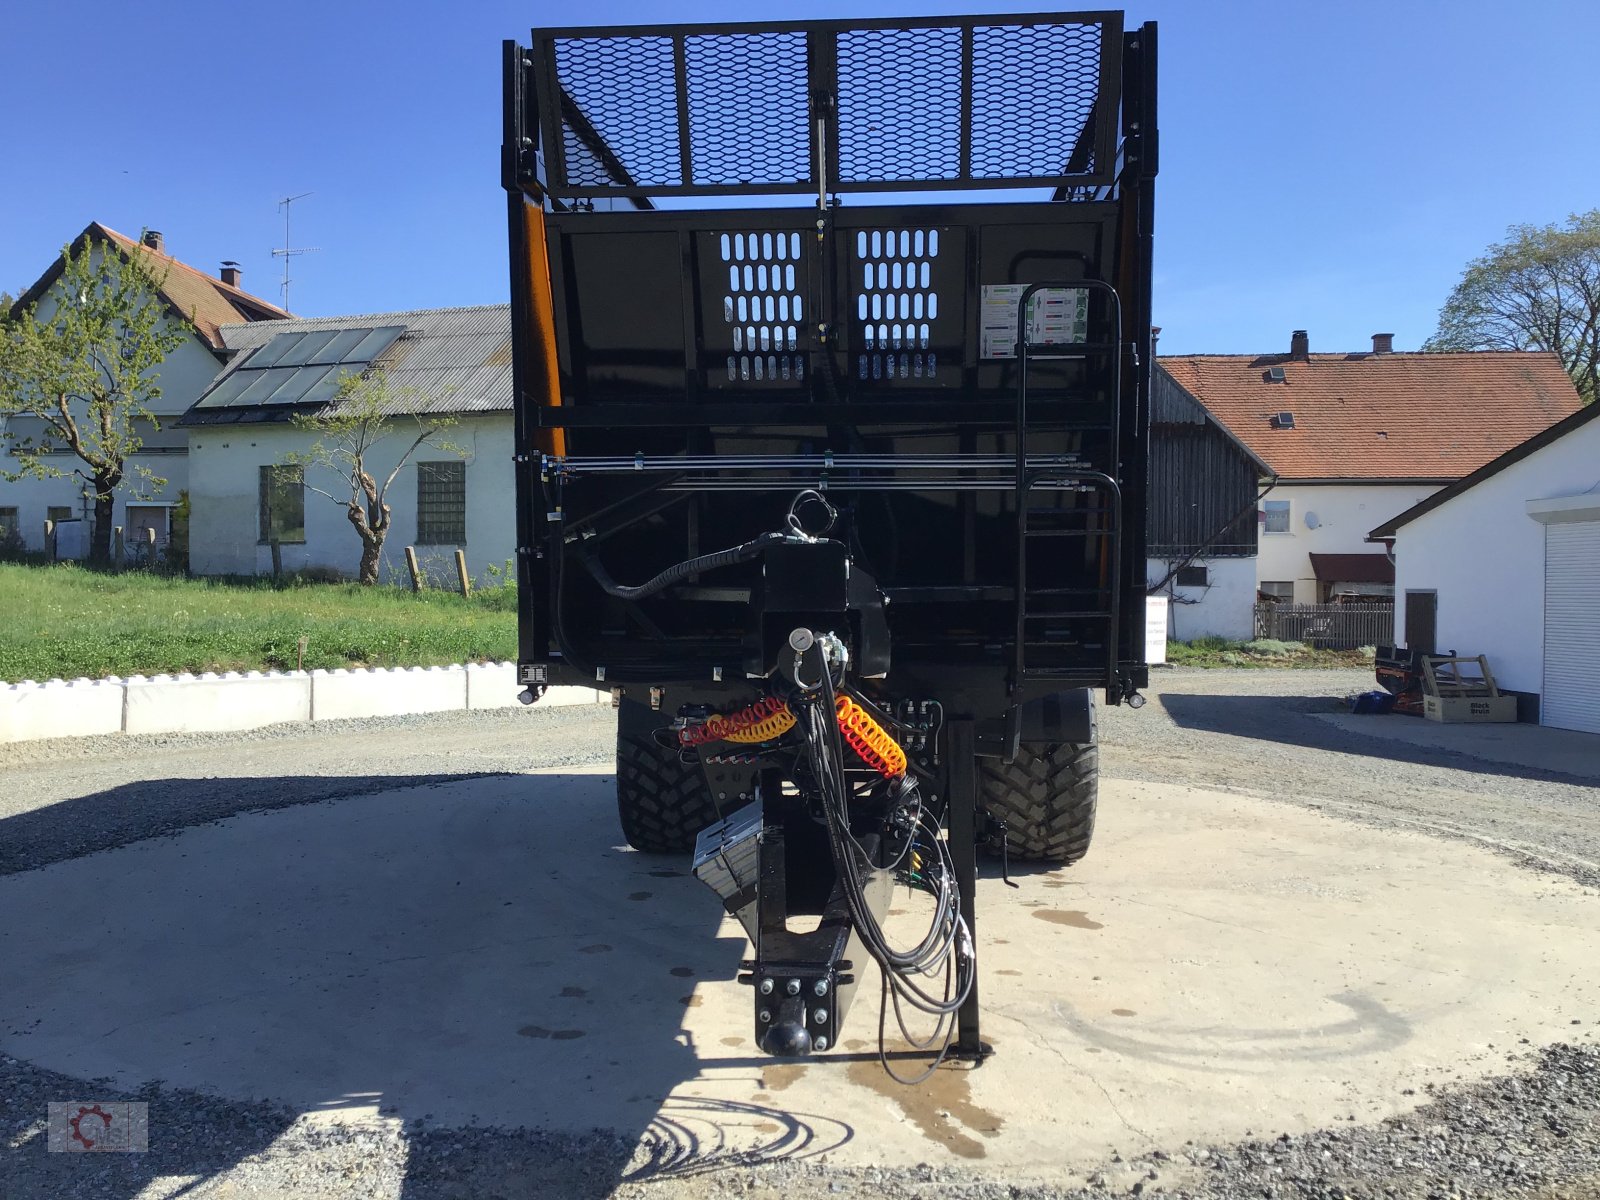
<point>58,513</point>
<point>1277,516</point>
<point>283,504</point>
<point>441,503</point>
<point>10,526</point>
<point>1194,577</point>
<point>1278,590</point>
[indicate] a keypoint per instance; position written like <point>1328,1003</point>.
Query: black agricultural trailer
<point>832,351</point>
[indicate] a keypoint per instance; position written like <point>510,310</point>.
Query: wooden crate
<point>1449,709</point>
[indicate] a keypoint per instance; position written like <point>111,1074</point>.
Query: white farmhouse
<point>197,304</point>
<point>1356,437</point>
<point>244,497</point>
<point>1506,563</point>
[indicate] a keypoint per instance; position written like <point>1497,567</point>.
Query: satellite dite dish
<point>1312,520</point>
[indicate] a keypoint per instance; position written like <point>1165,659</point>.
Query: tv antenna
<point>287,252</point>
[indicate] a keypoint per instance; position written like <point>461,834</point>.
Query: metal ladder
<point>1030,528</point>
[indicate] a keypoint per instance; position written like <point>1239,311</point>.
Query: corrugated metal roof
<point>449,360</point>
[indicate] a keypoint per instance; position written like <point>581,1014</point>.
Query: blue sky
<point>1324,166</point>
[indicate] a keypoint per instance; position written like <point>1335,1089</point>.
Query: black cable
<point>693,566</point>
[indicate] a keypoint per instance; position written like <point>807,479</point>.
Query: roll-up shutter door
<point>1571,697</point>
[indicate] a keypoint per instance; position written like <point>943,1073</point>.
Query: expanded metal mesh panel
<point>968,102</point>
<point>1033,90</point>
<point>900,104</point>
<point>747,108</point>
<point>625,90</point>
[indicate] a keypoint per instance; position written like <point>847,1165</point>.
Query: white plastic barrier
<point>60,708</point>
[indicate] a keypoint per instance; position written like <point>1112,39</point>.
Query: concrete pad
<point>79,707</point>
<point>487,950</point>
<point>387,692</point>
<point>215,703</point>
<point>1535,746</point>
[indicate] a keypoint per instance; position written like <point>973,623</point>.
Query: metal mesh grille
<point>1033,90</point>
<point>686,111</point>
<point>625,88</point>
<point>748,108</point>
<point>900,104</point>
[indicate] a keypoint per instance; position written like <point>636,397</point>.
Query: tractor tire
<point>663,803</point>
<point>1046,799</point>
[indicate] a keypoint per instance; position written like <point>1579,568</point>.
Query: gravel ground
<point>1532,1132</point>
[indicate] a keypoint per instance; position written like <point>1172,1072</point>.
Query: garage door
<point>1572,626</point>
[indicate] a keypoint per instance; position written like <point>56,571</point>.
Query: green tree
<point>1537,290</point>
<point>348,433</point>
<point>82,366</point>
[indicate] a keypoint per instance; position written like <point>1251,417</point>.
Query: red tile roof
<point>203,300</point>
<point>1380,416</point>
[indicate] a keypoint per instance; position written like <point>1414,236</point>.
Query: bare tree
<point>361,417</point>
<point>1537,290</point>
<point>84,364</point>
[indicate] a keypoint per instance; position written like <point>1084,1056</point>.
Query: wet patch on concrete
<point>682,972</point>
<point>1008,971</point>
<point>941,1107</point>
<point>638,895</point>
<point>559,1035</point>
<point>779,1076</point>
<point>1123,1012</point>
<point>666,873</point>
<point>1072,917</point>
<point>597,948</point>
<point>733,1041</point>
<point>692,1000</point>
<point>573,993</point>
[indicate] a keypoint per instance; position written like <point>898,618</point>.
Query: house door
<point>1422,622</point>
<point>1571,698</point>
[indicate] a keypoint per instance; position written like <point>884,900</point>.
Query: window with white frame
<point>1277,516</point>
<point>1277,589</point>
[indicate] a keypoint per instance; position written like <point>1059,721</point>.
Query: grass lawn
<point>62,621</point>
<point>1263,652</point>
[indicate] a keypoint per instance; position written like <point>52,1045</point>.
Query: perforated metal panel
<point>764,306</point>
<point>897,304</point>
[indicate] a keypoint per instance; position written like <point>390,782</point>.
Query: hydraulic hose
<point>673,574</point>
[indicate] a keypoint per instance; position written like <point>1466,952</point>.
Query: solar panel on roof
<point>300,353</point>
<point>301,368</point>
<point>268,355</point>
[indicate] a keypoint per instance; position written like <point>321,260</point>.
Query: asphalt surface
<point>1532,1128</point>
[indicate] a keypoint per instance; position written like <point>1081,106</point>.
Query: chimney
<point>153,239</point>
<point>229,273</point>
<point>1383,343</point>
<point>1300,346</point>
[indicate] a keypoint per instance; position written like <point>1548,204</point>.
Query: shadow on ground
<point>475,958</point>
<point>1290,721</point>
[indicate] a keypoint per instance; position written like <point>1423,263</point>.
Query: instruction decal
<point>1057,315</point>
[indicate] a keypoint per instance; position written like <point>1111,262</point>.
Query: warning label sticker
<point>1056,315</point>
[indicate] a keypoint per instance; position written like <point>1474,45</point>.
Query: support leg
<point>962,824</point>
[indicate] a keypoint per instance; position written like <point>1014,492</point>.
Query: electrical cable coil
<point>771,718</point>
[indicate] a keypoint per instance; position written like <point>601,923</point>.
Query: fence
<point>1327,626</point>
